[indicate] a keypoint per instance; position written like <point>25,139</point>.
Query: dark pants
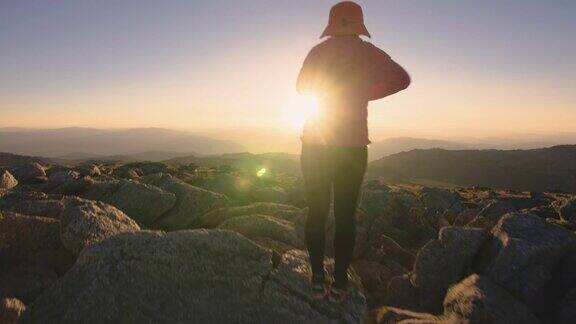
<point>342,169</point>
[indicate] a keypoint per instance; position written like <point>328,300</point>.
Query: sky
<point>479,68</point>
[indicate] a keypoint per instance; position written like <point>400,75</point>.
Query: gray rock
<point>217,216</point>
<point>270,194</point>
<point>263,226</point>
<point>489,215</point>
<point>202,276</point>
<point>87,222</point>
<point>567,210</point>
<point>437,200</point>
<point>392,315</point>
<point>89,169</point>
<point>375,198</point>
<point>524,253</point>
<point>137,169</point>
<point>567,310</point>
<point>374,275</point>
<point>478,300</point>
<point>388,249</point>
<point>70,188</point>
<point>29,173</point>
<point>33,204</point>
<point>546,211</point>
<point>401,293</point>
<point>22,237</point>
<point>443,262</point>
<point>7,181</point>
<point>142,202</point>
<point>191,202</point>
<point>63,176</point>
<point>26,282</point>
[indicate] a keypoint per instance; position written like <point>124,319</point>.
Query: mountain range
<point>89,142</point>
<point>552,168</point>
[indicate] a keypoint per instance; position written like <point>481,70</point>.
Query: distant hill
<point>551,168</point>
<point>395,145</point>
<point>153,156</point>
<point>102,142</point>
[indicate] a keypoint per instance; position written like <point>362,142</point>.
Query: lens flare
<point>261,172</point>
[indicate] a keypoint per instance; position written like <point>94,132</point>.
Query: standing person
<point>344,72</point>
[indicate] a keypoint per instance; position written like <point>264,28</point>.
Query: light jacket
<point>345,72</point>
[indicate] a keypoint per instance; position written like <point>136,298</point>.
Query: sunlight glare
<point>297,109</point>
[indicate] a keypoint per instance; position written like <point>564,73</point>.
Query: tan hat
<point>346,18</point>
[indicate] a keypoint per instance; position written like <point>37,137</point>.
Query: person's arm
<point>306,79</point>
<point>390,77</point>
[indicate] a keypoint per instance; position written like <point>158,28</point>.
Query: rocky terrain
<point>150,242</point>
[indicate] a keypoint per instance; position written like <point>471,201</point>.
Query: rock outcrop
<point>7,181</point>
<point>196,275</point>
<point>478,300</point>
<point>144,203</point>
<point>525,251</point>
<point>254,226</point>
<point>216,217</point>
<point>443,262</point>
<point>86,222</point>
<point>23,237</point>
<point>31,172</point>
<point>191,202</point>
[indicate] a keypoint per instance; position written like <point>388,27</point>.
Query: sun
<point>297,109</point>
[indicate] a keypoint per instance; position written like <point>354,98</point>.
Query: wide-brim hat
<point>346,18</point>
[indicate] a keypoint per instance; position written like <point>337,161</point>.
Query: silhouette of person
<point>345,73</point>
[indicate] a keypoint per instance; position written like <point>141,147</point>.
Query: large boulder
<point>567,210</point>
<point>478,300</point>
<point>491,214</point>
<point>191,202</point>
<point>393,315</point>
<point>203,276</point>
<point>270,194</point>
<point>392,250</point>
<point>443,262</point>
<point>142,202</point>
<point>62,176</point>
<point>375,197</point>
<point>31,172</point>
<point>263,226</point>
<point>401,293</point>
<point>437,200</point>
<point>7,181</point>
<point>23,237</point>
<point>524,253</point>
<point>214,218</point>
<point>26,282</point>
<point>375,278</point>
<point>138,169</point>
<point>86,222</point>
<point>33,204</point>
<point>10,310</point>
<point>88,169</point>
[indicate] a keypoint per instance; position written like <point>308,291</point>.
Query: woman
<point>344,72</point>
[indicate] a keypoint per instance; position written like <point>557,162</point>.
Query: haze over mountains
<point>158,144</point>
<point>87,142</point>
